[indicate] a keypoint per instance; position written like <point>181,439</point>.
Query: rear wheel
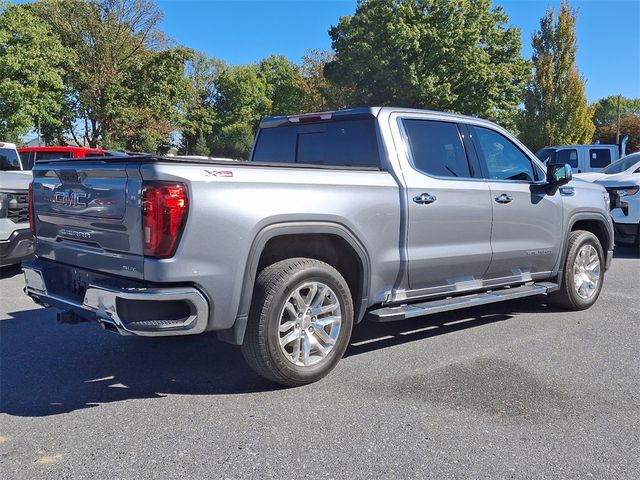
<point>583,272</point>
<point>300,321</point>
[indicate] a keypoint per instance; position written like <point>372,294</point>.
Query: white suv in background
<point>16,242</point>
<point>622,181</point>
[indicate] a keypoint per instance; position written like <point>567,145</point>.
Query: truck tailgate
<point>88,214</point>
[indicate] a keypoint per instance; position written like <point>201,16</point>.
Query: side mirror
<point>558,174</point>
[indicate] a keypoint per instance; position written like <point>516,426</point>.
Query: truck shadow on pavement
<point>48,369</point>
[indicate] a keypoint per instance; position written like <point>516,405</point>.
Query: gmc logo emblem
<point>70,199</point>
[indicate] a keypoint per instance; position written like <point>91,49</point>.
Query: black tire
<point>261,345</point>
<point>567,297</point>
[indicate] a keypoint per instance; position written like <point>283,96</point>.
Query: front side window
<point>599,157</point>
<point>569,156</point>
<point>437,148</point>
<point>503,159</point>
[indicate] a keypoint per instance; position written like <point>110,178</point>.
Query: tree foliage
<point>454,55</point>
<point>32,61</point>
<point>199,117</point>
<point>606,109</point>
<point>556,108</point>
<point>127,83</point>
<point>629,125</point>
<point>319,92</point>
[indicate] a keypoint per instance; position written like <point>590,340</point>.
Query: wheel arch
<point>593,222</point>
<point>330,242</point>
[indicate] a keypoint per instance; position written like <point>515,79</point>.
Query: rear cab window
<point>41,156</point>
<point>338,143</point>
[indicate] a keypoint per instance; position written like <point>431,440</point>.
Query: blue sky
<point>244,31</point>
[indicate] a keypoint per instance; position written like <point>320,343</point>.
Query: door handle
<point>504,198</point>
<point>424,199</point>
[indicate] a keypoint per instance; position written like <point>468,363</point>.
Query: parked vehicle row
<point>384,213</point>
<point>622,181</point>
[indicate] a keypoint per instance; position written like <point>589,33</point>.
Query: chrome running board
<point>403,312</point>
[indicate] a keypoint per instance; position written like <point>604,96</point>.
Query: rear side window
<point>40,156</point>
<point>599,157</point>
<point>9,159</point>
<point>437,148</point>
<point>569,156</point>
<point>350,143</point>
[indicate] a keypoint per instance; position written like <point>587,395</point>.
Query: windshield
<point>9,159</point>
<point>622,164</point>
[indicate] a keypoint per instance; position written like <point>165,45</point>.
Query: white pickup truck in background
<point>16,241</point>
<point>581,158</point>
<point>622,181</point>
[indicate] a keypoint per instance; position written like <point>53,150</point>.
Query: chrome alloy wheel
<point>586,271</point>
<point>309,324</point>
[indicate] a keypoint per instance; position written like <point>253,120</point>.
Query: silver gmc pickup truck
<point>381,214</point>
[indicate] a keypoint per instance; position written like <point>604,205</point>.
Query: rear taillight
<point>164,213</point>
<point>32,218</point>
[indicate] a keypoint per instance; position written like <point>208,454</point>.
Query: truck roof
<point>358,112</point>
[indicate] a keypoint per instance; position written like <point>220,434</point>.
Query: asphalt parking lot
<point>514,390</point>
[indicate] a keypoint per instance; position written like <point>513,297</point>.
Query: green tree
<point>284,84</point>
<point>319,93</point>
<point>629,125</point>
<point>199,115</point>
<point>454,55</point>
<point>200,147</point>
<point>606,109</point>
<point>241,100</point>
<point>556,108</point>
<point>32,59</point>
<point>126,87</point>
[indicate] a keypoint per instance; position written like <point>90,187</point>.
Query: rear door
<point>88,215</point>
<point>449,209</point>
<point>526,221</point>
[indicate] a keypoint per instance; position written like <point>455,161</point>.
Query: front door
<point>527,223</point>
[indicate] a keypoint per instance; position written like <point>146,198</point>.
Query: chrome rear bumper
<point>128,310</point>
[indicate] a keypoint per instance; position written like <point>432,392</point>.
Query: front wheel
<point>583,272</point>
<point>300,321</point>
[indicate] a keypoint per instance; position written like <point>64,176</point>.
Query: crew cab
<point>383,214</point>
